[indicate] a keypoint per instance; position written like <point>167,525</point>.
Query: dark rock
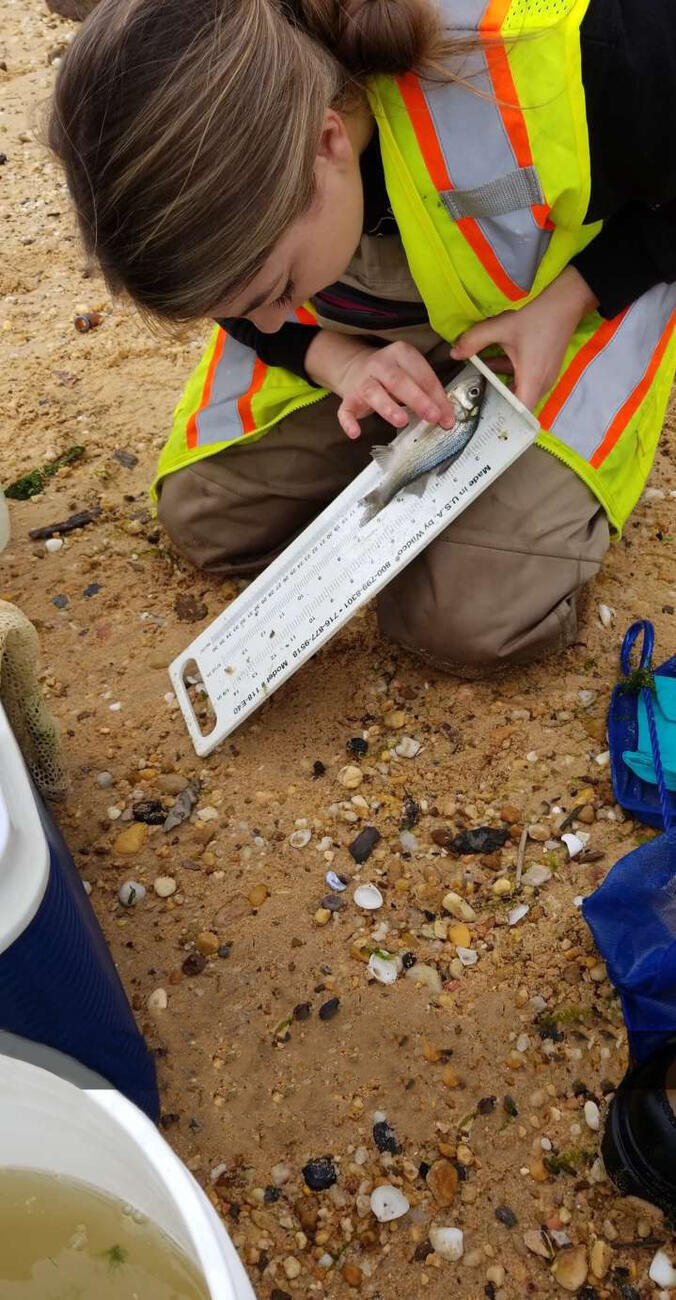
<point>410,813</point>
<point>194,964</point>
<point>509,1105</point>
<point>92,590</point>
<point>320,1174</point>
<point>329,1009</point>
<point>150,811</point>
<point>357,746</point>
<point>169,1119</point>
<point>61,602</point>
<point>489,1291</point>
<point>333,902</point>
<point>271,1194</point>
<point>423,1169</point>
<point>408,960</point>
<point>189,610</point>
<point>504,1215</point>
<point>486,1106</point>
<point>126,458</point>
<point>385,1138</point>
<point>318,768</point>
<point>422,1251</point>
<point>276,1294</point>
<point>482,839</point>
<point>225,950</point>
<point>362,848</point>
<point>443,837</point>
<point>302,1011</point>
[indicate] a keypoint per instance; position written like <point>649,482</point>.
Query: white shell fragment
<point>334,882</point>
<point>388,1203</point>
<point>586,698</point>
<point>408,747</point>
<point>53,544</point>
<point>603,759</point>
<point>592,1116</point>
<point>574,844</point>
<point>369,897</point>
<point>384,968</point>
<point>662,1271</point>
<point>131,893</point>
<point>606,615</point>
<point>448,1242</point>
<point>517,913</point>
<point>468,956</point>
<point>299,839</point>
<point>536,876</point>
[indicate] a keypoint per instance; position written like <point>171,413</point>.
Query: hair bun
<point>372,36</point>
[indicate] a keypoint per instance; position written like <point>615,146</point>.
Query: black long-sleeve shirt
<point>629,77</point>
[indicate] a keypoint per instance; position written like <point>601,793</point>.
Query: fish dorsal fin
<point>381,455</point>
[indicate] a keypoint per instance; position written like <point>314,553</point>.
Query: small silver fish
<point>424,447</point>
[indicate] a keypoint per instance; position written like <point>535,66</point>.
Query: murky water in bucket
<point>62,1240</point>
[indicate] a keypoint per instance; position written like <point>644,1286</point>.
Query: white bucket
<point>100,1138</point>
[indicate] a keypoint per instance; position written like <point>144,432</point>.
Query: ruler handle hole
<point>199,697</point>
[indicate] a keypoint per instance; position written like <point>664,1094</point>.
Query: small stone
<point>598,972</point>
<point>502,888</point>
<point>164,886</point>
<point>185,802</point>
<point>322,916</point>
<point>395,719</point>
<point>61,602</point>
<point>511,814</point>
<point>104,780</point>
<point>517,913</point>
<point>606,615</point>
<point>353,1275</point>
<point>113,814</point>
<point>442,1180</point>
<point>189,609</point>
<point>357,745</point>
<point>592,1116</point>
<point>320,1174</point>
<point>53,544</point>
<point>449,1078</point>
<point>130,840</point>
<point>460,935</point>
<point>362,848</point>
<point>207,943</point>
<point>538,833</point>
<point>258,895</point>
<point>149,811</point>
<point>532,756</point>
<point>428,976</point>
<point>570,1268</point>
<point>448,1243</point>
<point>292,1267</point>
<point>483,839</point>
<point>408,747</point>
<point>302,1011</point>
<point>300,839</point>
<point>388,1203</point>
<point>158,1000</point>
<point>457,907</point>
<point>535,1243</point>
<point>131,893</point>
<point>587,815</point>
<point>194,964</point>
<point>350,777</point>
<point>504,1214</point>
<point>172,783</point>
<point>333,903</point>
<point>280,1174</point>
<point>496,1274</point>
<point>385,1137</point>
<point>329,1009</point>
<point>536,876</point>
<point>368,897</point>
<point>662,1271</point>
<point>601,1257</point>
<point>468,957</point>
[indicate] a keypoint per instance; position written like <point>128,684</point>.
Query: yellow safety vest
<point>489,182</point>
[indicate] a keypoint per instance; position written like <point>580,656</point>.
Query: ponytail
<point>372,36</point>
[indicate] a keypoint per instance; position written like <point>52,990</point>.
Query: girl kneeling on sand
<point>350,187</point>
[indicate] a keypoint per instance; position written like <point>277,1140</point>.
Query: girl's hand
<point>382,380</point>
<point>534,339</point>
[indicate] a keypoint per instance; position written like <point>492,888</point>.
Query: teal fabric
<point>640,760</point>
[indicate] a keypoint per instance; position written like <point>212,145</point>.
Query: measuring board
<point>334,567</point>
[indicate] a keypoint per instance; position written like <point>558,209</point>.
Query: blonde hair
<point>188,129</point>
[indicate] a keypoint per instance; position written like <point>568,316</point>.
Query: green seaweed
<point>30,484</point>
<point>116,1256</point>
<point>639,680</point>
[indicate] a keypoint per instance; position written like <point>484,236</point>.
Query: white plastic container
<point>100,1138</point>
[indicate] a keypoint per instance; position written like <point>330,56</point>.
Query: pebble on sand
<point>131,839</point>
<point>158,1000</point>
<point>388,1203</point>
<point>368,897</point>
<point>131,893</point>
<point>662,1271</point>
<point>448,1243</point>
<point>164,886</point>
<point>570,1268</point>
<point>350,776</point>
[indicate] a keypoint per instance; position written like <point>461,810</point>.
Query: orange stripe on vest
<point>191,430</point>
<point>629,408</point>
<point>599,340</point>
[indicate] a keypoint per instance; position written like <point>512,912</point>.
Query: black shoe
<point>639,1142</point>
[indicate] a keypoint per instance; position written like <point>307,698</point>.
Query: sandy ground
<point>249,1092</point>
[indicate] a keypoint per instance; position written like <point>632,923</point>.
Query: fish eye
<point>475,391</point>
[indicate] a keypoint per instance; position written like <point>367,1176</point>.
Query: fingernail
<point>432,413</point>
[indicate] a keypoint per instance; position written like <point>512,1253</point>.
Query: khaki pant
<point>499,586</point>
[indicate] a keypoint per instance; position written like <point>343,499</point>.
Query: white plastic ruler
<point>333,568</point>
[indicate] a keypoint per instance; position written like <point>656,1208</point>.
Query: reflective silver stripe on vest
<point>220,421</point>
<point>613,374</point>
<point>479,157</point>
<point>507,194</point>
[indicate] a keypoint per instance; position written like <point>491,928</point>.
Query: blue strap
<point>644,626</point>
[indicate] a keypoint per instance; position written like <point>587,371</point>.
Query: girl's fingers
<point>499,365</point>
<point>348,423</point>
<point>440,409</point>
<point>479,336</point>
<point>417,399</point>
<point>382,403</point>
